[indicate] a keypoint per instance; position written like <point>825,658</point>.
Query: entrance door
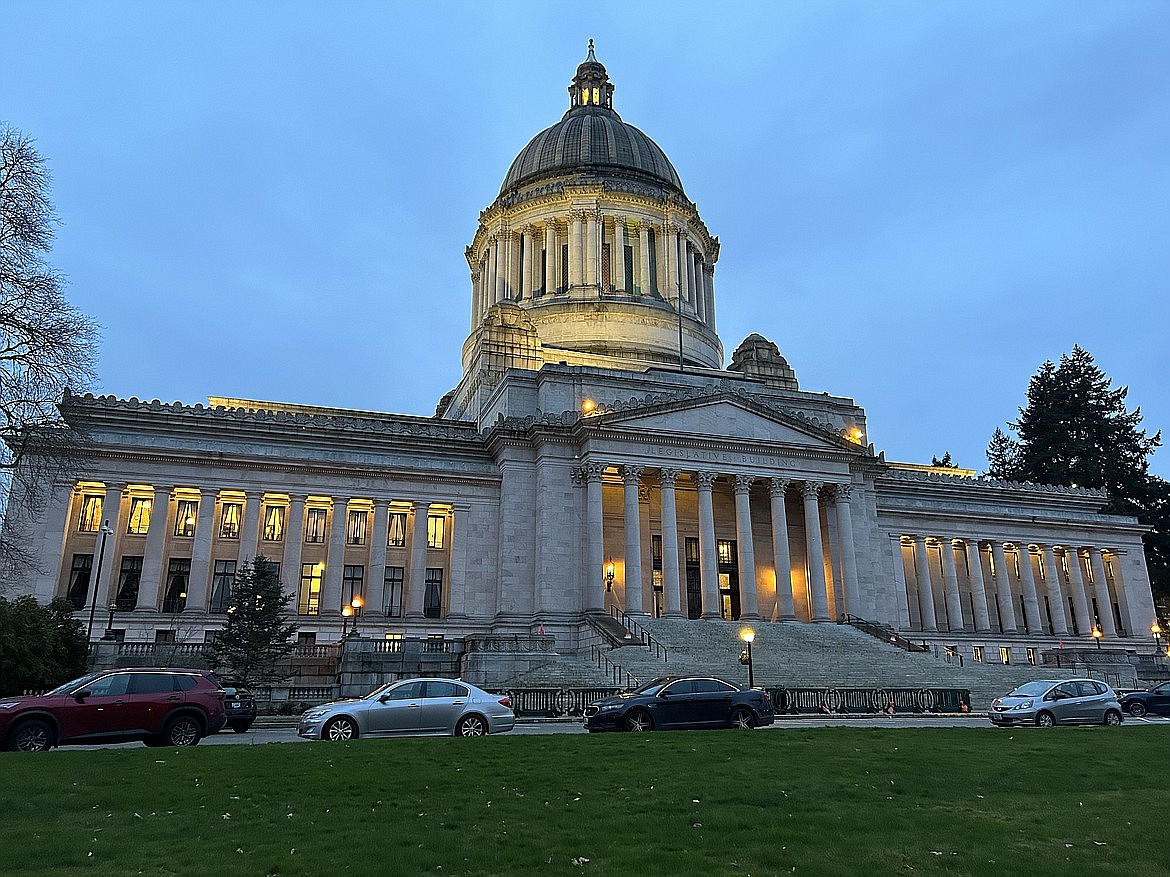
<point>694,579</point>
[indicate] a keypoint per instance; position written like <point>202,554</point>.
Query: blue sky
<point>918,202</point>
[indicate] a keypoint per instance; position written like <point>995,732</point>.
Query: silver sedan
<point>411,706</point>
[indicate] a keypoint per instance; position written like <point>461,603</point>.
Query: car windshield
<point>1031,689</point>
<point>73,684</point>
<point>653,686</point>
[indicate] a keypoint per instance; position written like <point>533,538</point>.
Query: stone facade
<point>594,456</point>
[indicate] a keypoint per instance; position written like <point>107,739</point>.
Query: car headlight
<point>1025,705</point>
<point>609,707</point>
<point>314,714</point>
<point>8,705</point>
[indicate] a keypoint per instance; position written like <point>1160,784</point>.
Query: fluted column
<point>199,583</point>
<point>785,607</point>
<point>294,538</point>
<point>250,533</point>
<point>700,287</point>
<point>710,288</point>
<point>457,587</point>
<point>595,536</point>
<point>498,277</point>
<point>592,249</point>
<point>576,247</point>
<point>745,549</point>
<point>1076,583</point>
<point>1055,597</point>
<point>814,548</point>
<point>416,575</point>
<point>617,252</point>
<point>901,591</point>
<point>647,254</point>
<point>552,259</point>
<point>946,551</point>
<point>708,561</point>
<point>376,601</point>
<point>527,263</point>
<point>1028,580</point>
<point>978,587</point>
<point>150,586</point>
<point>513,284</point>
<point>335,559</point>
<point>692,288</point>
<point>844,495</point>
<point>670,242</point>
<point>1101,590</point>
<point>926,612</point>
<point>633,560</point>
<point>671,589</point>
<point>111,514</point>
<point>1003,588</point>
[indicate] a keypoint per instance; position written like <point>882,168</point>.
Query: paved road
<point>287,734</point>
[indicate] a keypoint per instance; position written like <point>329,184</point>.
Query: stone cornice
<point>920,477</point>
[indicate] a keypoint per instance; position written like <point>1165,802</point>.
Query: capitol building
<point>601,454</point>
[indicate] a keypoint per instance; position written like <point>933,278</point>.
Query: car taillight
<point>506,701</point>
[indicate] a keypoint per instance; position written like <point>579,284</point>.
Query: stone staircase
<point>791,655</point>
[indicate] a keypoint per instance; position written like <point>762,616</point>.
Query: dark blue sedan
<point>1154,700</point>
<point>678,702</point>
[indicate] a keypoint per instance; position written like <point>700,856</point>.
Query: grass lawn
<point>815,801</point>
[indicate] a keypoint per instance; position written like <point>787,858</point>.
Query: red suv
<point>160,706</point>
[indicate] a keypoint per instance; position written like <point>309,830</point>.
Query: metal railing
<point>639,633</point>
<point>615,672</point>
<point>883,632</point>
<point>555,703</point>
<point>840,701</point>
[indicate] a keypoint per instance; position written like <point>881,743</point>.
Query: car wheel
<point>1045,720</point>
<point>31,736</point>
<point>639,720</point>
<point>1112,718</point>
<point>1137,709</point>
<point>471,726</point>
<point>241,727</point>
<point>743,719</point>
<point>182,731</point>
<point>339,729</point>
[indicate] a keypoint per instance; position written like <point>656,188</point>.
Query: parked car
<point>240,705</point>
<point>160,706</point>
<point>675,702</point>
<point>411,706</point>
<point>1154,700</point>
<point>1048,702</point>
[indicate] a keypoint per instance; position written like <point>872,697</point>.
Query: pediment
<point>725,419</point>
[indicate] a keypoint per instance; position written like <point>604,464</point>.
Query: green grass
<point>814,801</point>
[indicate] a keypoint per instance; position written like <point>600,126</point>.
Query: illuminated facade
<point>596,454</point>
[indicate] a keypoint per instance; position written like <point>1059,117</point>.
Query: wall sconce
<point>609,572</point>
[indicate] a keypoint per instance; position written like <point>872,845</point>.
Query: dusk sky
<point>918,202</point>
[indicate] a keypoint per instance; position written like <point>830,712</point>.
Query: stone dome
<point>591,140</point>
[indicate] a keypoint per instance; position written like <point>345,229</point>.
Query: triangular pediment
<point>725,418</point>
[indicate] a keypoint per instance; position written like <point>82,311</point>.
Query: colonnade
<point>226,527</point>
<point>1072,577</point>
<point>811,493</point>
<point>514,264</point>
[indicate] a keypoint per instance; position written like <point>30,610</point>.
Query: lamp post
<point>609,572</point>
<point>356,605</point>
<point>1097,636</point>
<point>745,657</point>
<point>113,607</point>
<point>1156,630</point>
<point>346,612</point>
<point>97,579</point>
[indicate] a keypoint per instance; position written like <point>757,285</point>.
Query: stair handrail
<point>883,632</point>
<point>643,635</point>
<point>614,671</point>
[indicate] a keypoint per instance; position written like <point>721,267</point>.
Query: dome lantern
<point>591,86</point>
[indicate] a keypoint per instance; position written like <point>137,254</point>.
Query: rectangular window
<point>543,274</point>
<point>79,572</point>
<point>352,585</point>
<point>187,511</point>
<point>692,549</point>
<point>396,530</point>
<point>1032,656</point>
<point>435,524</point>
<point>128,578</point>
<point>1043,570</point>
<point>139,521</point>
<point>606,282</point>
<point>978,654</point>
<point>656,551</point>
<point>564,268</point>
<point>178,574</point>
<point>309,595</point>
<point>1089,570</point>
<point>433,594</point>
<point>221,585</point>
<point>658,593</point>
<point>723,550</point>
<point>1005,655</point>
<point>393,582</point>
<point>315,525</point>
<point>629,278</point>
<point>1016,561</point>
<point>274,523</point>
<point>229,524</point>
<point>90,519</point>
<point>355,527</point>
<point>652,244</point>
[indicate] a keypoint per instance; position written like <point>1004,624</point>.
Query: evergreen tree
<point>943,462</point>
<point>40,646</point>
<point>258,634</point>
<point>1076,431</point>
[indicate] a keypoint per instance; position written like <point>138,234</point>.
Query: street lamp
<point>97,579</point>
<point>1156,630</point>
<point>1097,635</point>
<point>356,606</point>
<point>745,657</point>
<point>113,607</point>
<point>346,612</point>
<point>609,572</point>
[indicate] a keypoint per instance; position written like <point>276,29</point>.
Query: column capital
<point>668,477</point>
<point>778,485</point>
<point>591,471</point>
<point>843,492</point>
<point>631,474</point>
<point>810,489</point>
<point>705,480</point>
<point>743,483</point>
